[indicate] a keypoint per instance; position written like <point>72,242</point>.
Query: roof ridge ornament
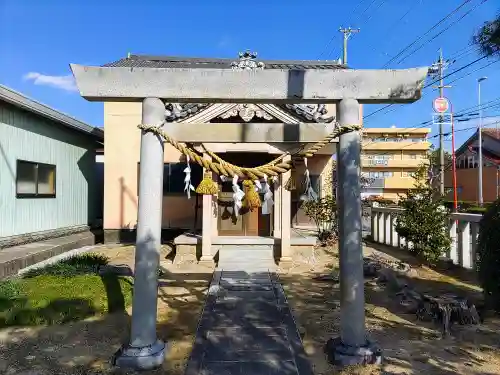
<point>247,61</point>
<point>313,112</point>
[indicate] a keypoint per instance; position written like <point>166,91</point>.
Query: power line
<point>462,50</point>
<point>474,71</point>
<point>457,70</point>
<point>428,137</point>
<point>334,35</point>
<point>456,114</point>
<point>430,84</point>
<point>463,112</point>
<point>435,136</point>
<point>373,12</point>
<point>442,31</point>
<point>457,55</point>
<point>426,33</point>
<point>393,26</point>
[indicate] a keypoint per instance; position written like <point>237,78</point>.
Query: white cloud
<point>66,83</point>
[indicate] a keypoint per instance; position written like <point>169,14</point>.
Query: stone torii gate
<point>152,86</point>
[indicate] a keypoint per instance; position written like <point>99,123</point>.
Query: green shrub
<point>323,211</point>
<point>380,200</point>
<point>476,210</point>
<point>462,206</point>
<point>81,264</point>
<point>424,221</point>
<point>488,249</point>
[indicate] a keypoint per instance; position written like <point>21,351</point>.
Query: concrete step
<point>13,259</point>
<point>240,253</point>
<point>247,258</point>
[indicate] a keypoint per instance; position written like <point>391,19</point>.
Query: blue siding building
<point>48,178</point>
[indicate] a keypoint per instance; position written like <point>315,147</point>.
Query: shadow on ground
<point>86,347</point>
<point>410,346</point>
<point>23,309</point>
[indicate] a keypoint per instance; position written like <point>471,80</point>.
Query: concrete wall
<point>26,136</point>
<point>121,153</point>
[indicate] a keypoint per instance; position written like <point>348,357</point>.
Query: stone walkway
<point>247,328</point>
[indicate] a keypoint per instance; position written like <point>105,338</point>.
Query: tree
<point>424,221</point>
<point>487,38</point>
<point>323,211</point>
<point>434,164</point>
<point>435,160</point>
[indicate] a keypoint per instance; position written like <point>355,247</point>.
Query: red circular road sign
<point>441,105</point>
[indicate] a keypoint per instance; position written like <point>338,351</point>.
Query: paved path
<point>247,328</point>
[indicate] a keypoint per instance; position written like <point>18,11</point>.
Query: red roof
<point>492,132</point>
<point>486,154</point>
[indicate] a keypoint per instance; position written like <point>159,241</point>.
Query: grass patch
<point>66,291</point>
<point>82,264</point>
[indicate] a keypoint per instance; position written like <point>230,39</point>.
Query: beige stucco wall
<point>122,150</point>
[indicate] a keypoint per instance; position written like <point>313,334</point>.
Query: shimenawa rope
<point>224,168</point>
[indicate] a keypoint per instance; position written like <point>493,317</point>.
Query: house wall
<point>26,136</point>
<point>122,151</point>
<point>99,192</point>
<point>467,184</point>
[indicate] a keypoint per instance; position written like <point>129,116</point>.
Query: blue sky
<point>39,38</point>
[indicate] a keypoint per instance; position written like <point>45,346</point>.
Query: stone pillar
<point>380,227</point>
<point>374,224</point>
<point>215,212</point>
<point>286,220</point>
<point>145,351</point>
<point>453,255</point>
<point>352,347</point>
<point>464,254</point>
<point>207,224</point>
<point>278,187</point>
<point>387,228</point>
<point>394,234</point>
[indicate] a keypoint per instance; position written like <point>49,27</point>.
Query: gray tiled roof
<point>246,60</point>
<point>145,61</point>
<point>12,97</point>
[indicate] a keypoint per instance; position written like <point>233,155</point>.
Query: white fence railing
<point>464,229</point>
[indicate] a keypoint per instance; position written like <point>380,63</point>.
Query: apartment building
<point>390,157</point>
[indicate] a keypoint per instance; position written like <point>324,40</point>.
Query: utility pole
<point>438,69</point>
<point>347,34</point>
<point>480,141</point>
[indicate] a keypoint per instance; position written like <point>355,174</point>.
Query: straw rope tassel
<point>207,185</point>
<point>252,198</point>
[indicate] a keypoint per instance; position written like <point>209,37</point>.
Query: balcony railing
<point>392,163</point>
<point>374,162</point>
<point>404,145</point>
<point>376,182</point>
<point>464,229</point>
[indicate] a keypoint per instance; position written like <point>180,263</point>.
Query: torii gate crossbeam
<point>347,88</point>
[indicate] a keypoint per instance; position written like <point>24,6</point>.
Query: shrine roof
<point>246,60</point>
<point>147,61</point>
